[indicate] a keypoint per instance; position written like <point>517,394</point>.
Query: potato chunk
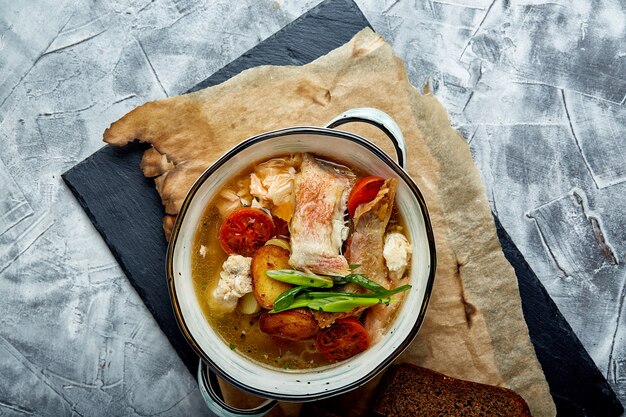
<point>267,289</point>
<point>293,325</point>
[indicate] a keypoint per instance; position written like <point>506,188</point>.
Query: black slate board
<point>126,210</point>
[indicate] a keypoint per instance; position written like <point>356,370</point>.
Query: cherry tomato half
<point>245,230</point>
<point>364,191</point>
<point>344,339</point>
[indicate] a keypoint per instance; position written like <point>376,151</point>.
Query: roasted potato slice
<point>293,325</point>
<point>267,289</point>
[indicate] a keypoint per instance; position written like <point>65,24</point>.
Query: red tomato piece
<point>344,339</point>
<point>245,230</point>
<point>364,191</point>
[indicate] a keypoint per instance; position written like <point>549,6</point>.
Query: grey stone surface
<point>537,88</point>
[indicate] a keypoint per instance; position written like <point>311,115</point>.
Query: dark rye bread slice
<point>408,390</point>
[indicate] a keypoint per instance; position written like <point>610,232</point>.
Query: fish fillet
<point>366,249</point>
<point>367,239</point>
<point>317,227</point>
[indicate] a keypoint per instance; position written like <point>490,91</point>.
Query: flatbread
<point>474,328</point>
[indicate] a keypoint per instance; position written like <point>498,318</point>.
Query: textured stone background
<point>537,88</point>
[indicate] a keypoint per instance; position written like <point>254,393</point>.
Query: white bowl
<point>311,384</point>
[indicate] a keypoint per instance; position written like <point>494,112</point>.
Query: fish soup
<point>300,262</point>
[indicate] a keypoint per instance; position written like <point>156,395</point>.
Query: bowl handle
<point>379,119</point>
<point>212,395</point>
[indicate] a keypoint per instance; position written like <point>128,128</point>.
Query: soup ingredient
<point>281,243</point>
<point>367,248</point>
<point>397,252</point>
<point>248,305</point>
<point>378,318</point>
<point>290,325</point>
<point>273,181</point>
<point>366,243</point>
<point>325,319</point>
<point>317,227</point>
<point>352,283</point>
<point>287,298</point>
<point>361,280</point>
<point>356,284</point>
<point>344,339</point>
<point>325,294</point>
<point>333,302</point>
<point>304,279</point>
<point>235,281</point>
<point>336,304</point>
<point>233,197</point>
<point>364,191</point>
<point>228,201</point>
<point>245,230</point>
<point>282,228</point>
<point>266,289</point>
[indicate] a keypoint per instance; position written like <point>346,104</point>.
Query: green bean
<point>325,294</point>
<point>303,279</point>
<point>335,304</point>
<point>286,298</point>
<point>361,280</point>
<point>349,304</point>
<point>295,304</point>
<point>328,301</point>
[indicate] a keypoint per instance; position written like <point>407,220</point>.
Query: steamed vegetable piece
<point>290,325</point>
<point>344,339</point>
<point>304,279</point>
<point>281,243</point>
<point>286,299</point>
<point>248,304</point>
<point>361,280</point>
<point>245,230</point>
<point>325,294</point>
<point>335,304</point>
<point>266,289</point>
